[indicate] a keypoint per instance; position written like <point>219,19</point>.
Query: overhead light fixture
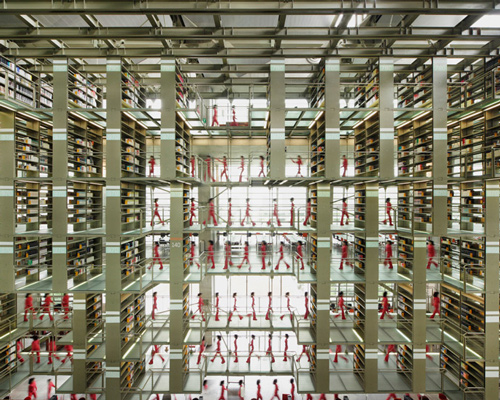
<point>285,181</point>
<point>316,119</point>
<point>495,105</point>
<point>266,182</point>
<point>470,116</point>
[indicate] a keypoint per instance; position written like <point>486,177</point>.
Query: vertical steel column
<point>332,119</point>
<point>176,287</point>
<point>419,331</point>
<point>492,292</point>
<point>168,117</point>
<point>79,342</point>
<point>59,176</point>
<point>371,278</point>
<point>324,210</point>
<point>113,227</point>
<point>439,146</point>
<point>386,159</point>
<point>277,157</point>
<point>7,193</point>
<point>205,236</point>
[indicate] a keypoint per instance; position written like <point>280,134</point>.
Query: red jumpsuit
<point>93,396</point>
<point>388,255</point>
<point>28,307</point>
<point>341,307</point>
<point>227,259</point>
<point>156,257</point>
<point>300,256</point>
<point>236,349</point>
<point>344,166</point>
<point>245,257</point>
<point>292,213</point>
<point>211,255</point>
<point>193,213</point>
<point>259,394</point>
<point>299,165</point>
<point>200,354</point>
<point>281,252</point>
<point>250,352</point>
<point>308,213</point>
<point>269,307</point>
<point>157,214</point>
<point>200,308</point>
<point>388,209</point>
<point>52,347</point>
<point>285,358</point>
<point>343,257</point>
<point>155,307</point>
<point>261,168</point>
<point>69,353</point>
<point>65,305</point>
<point>253,310</point>
<point>240,395</point>
<point>218,352</point>
<point>390,349</point>
<point>276,215</point>
<point>208,172</point>
<point>154,351</point>
<point>431,253</point>
<point>338,349</point>
<point>309,396</point>
<point>224,169</point>
<point>235,310</point>
<point>322,397</point>
<point>49,389</point>
<point>304,351</point>
<point>46,307</point>
<point>192,250</point>
<point>229,214</point>
<point>18,351</point>
<point>35,349</point>
<point>289,308</point>
<point>152,164</point>
<point>32,389</point>
<point>242,167</point>
<point>214,118</point>
<point>263,253</point>
<point>269,350</point>
<point>306,315</point>
<point>435,304</point>
<point>217,308</point>
<point>292,391</point>
<point>193,163</point>
<point>211,213</point>
<point>247,215</point>
<point>385,308</point>
<point>344,214</point>
<point>276,392</point>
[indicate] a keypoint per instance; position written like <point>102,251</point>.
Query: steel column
<point>332,119</point>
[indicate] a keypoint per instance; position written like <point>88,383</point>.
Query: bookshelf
<point>313,296</point>
<point>405,206</point>
<point>313,195</point>
<point>415,91</point>
<point>33,258</point>
<point>132,318</point>
<point>182,147</point>
<point>131,372</point>
<point>359,361</point>
<point>360,206</point>
<point>317,91</point>
<point>450,255</point>
<point>317,147</point>
<point>405,254</point>
<point>8,312</point>
<point>17,84</point>
<point>313,243</point>
<point>450,363</point>
<point>133,203</point>
<point>85,205</point>
<point>133,147</point>
<point>84,258</point>
<point>132,257</point>
<point>422,205</point>
<point>359,309</point>
<point>94,312</point>
<point>133,94</point>
<point>472,374</point>
<point>404,361</point>
<point>454,143</point>
<point>472,203</point>
<point>367,146</point>
<point>85,148</point>
<point>33,205</point>
<point>367,93</point>
<point>492,141</point>
<point>359,254</point>
<point>8,358</point>
<point>415,147</point>
<point>472,259</point>
<point>405,309</point>
<point>82,90</point>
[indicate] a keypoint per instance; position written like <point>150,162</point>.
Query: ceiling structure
<point>224,47</point>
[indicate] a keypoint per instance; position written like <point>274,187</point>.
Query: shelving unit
<point>313,195</point>
<point>472,375</point>
<point>17,84</point>
<point>317,147</point>
<point>367,146</point>
<point>360,310</point>
<point>133,202</point>
<point>33,205</point>
<point>367,93</point>
<point>359,361</point>
<point>450,364</point>
<point>472,203</point>
<point>415,147</point>
<point>405,361</point>
<point>8,312</point>
<point>182,147</point>
<point>359,254</point>
<point>85,205</point>
<point>405,254</point>
<point>82,90</point>
<point>84,258</point>
<point>85,149</point>
<point>422,205</point>
<point>313,297</point>
<point>415,91</point>
<point>405,206</point>
<point>133,148</point>
<point>405,309</point>
<point>133,256</point>
<point>360,206</point>
<point>33,258</point>
<point>133,95</point>
<point>95,320</point>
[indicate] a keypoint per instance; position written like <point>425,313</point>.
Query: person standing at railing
<point>211,253</point>
<point>50,386</point>
<point>344,213</point>
<point>242,167</point>
<point>229,212</point>
<point>435,304</point>
<point>344,166</point>
<point>288,306</point>
<point>69,353</point>
<point>306,352</point>
<point>247,214</point>
<point>259,394</point>
<point>245,256</point>
<point>250,352</point>
<point>227,258</point>
<point>217,309</point>
<point>224,167</point>
<point>235,308</point>
<point>281,253</point>
<point>201,303</point>
<point>269,351</point>
<point>218,351</point>
<point>156,214</point>
<point>308,211</point>
<point>28,306</point>
<point>388,254</point>
<point>341,305</point>
<point>152,163</point>
<point>215,120</point>
<point>300,254</point>
<point>299,165</point>
<point>192,257</point>
<point>388,209</point>
<point>65,305</point>
<point>275,214</point>
<point>269,306</point>
<point>431,253</point>
<point>222,391</point>
<point>35,348</point>
<point>202,349</point>
<point>46,306</point>
<point>292,388</point>
<point>263,253</point>
<point>385,306</point>
<point>306,296</point>
<point>192,211</point>
<point>292,211</point>
<point>252,296</point>
<point>193,165</point>
<point>285,357</point>
<point>236,347</point>
<point>262,167</point>
<point>276,390</point>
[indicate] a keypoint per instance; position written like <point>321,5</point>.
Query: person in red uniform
<point>28,306</point>
<point>344,212</point>
<point>208,171</point>
<point>306,298</point>
<point>156,214</point>
<point>19,349</point>
<point>276,390</point>
<point>263,253</point>
<point>240,391</point>
<point>200,307</point>
<point>155,305</point>
<point>193,254</point>
<point>211,211</point>
<point>344,254</point>
<point>435,304</point>
<point>252,296</point>
<point>227,258</point>
<point>385,306</point>
<point>215,121</point>
<point>292,388</point>
<point>281,253</point>
<point>245,257</point>
<point>275,214</point>
<point>224,168</point>
<point>223,390</point>
<point>247,214</point>
<point>217,309</point>
<point>46,307</point>
<point>154,351</point>
<point>288,306</point>
<point>210,257</point>
<point>32,388</point>
<point>431,253</point>
<point>338,350</point>
<point>250,350</point>
<point>52,348</point>
<point>65,305</point>
<point>388,254</point>
<point>218,351</point>
<point>192,212</point>
<point>50,386</point>
<point>269,351</point>
<point>308,211</point>
<point>229,212</point>
<point>341,305</point>
<point>69,353</point>
<point>388,209</point>
<point>389,349</point>
<point>202,349</point>
<point>392,396</point>
<point>262,167</point>
<point>309,396</point>
<point>193,165</point>
<point>344,165</point>
<point>35,348</point>
<point>269,306</point>
<point>304,351</point>
<point>322,396</point>
<point>73,396</point>
<point>233,109</point>
<point>285,357</point>
<point>236,347</point>
<point>156,256</point>
<point>93,396</point>
<point>300,255</point>
<point>152,163</point>
<point>292,211</point>
<point>299,165</point>
<point>259,394</point>
<point>242,167</point>
<point>235,308</point>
